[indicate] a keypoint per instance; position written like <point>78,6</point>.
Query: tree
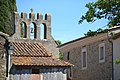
<point>93,33</point>
<point>60,54</point>
<point>103,9</point>
<point>7,8</point>
<point>59,42</point>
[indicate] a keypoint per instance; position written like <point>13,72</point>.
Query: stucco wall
<point>95,70</point>
<point>116,55</point>
<point>45,73</point>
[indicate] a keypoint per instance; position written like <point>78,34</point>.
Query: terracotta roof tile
<point>39,61</point>
<point>34,54</point>
<point>29,49</point>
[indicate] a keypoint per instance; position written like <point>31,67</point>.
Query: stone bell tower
<point>48,41</point>
<point>37,22</point>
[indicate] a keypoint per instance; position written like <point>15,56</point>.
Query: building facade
<point>31,60</point>
<point>92,57</point>
<point>31,29</point>
<point>35,58</point>
<point>23,57</point>
<point>116,51</point>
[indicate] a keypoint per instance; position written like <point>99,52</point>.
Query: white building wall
<point>116,55</point>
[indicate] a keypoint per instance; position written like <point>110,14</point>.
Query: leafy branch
<point>103,9</point>
<point>93,33</point>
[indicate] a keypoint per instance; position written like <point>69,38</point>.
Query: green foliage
<point>107,9</point>
<point>60,56</point>
<point>93,33</point>
<point>59,42</point>
<point>7,7</point>
<point>117,61</point>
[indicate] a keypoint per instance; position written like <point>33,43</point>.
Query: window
<point>68,56</point>
<point>33,31</point>
<point>101,52</point>
<point>23,30</point>
<point>84,58</point>
<point>35,71</point>
<point>43,31</point>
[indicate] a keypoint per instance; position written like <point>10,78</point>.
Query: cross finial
<point>31,9</point>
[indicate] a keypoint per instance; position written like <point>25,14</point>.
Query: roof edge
<point>114,28</point>
<point>81,38</point>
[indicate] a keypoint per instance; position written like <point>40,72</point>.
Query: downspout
<point>110,40</point>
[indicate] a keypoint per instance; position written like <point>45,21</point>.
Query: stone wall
<point>36,21</point>
<point>2,58</point>
<point>95,70</point>
<point>48,41</point>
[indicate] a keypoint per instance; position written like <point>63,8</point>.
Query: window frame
<point>84,50</point>
<point>68,56</point>
<point>101,45</point>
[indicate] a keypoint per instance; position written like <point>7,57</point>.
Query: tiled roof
<point>39,61</point>
<point>29,49</point>
<point>34,54</point>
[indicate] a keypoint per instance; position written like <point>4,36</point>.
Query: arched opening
<point>33,31</point>
<point>23,30</point>
<point>43,31</point>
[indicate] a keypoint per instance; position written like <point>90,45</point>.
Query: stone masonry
<point>48,41</point>
<point>95,70</point>
<point>2,56</point>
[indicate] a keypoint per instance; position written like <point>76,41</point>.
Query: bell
<point>32,30</point>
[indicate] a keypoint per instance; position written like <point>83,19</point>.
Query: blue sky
<point>65,16</point>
